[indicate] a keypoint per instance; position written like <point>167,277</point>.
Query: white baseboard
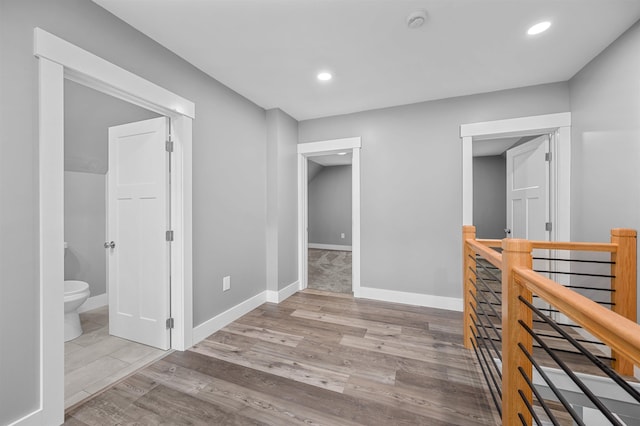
<point>94,302</point>
<point>416,299</point>
<point>209,327</point>
<point>329,247</point>
<point>31,419</point>
<point>282,294</point>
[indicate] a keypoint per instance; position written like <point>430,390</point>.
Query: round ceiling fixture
<point>324,76</point>
<point>538,28</point>
<point>416,19</point>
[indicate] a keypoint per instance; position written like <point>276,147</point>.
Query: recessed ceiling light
<point>539,28</point>
<point>342,153</point>
<point>324,76</point>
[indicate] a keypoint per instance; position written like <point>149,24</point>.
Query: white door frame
<point>57,60</point>
<point>312,149</point>
<point>560,170</point>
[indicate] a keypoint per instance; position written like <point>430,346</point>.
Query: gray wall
<point>312,170</point>
<point>282,200</point>
<point>84,229</point>
<point>490,196</point>
<point>330,206</point>
<point>605,101</point>
<point>88,116</point>
<point>411,172</point>
<point>229,169</point>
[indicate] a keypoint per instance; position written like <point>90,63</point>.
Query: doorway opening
<point>59,60</point>
<point>558,125</point>
<point>96,354</point>
<point>556,147</point>
<point>330,222</point>
<point>511,187</point>
<point>330,252</point>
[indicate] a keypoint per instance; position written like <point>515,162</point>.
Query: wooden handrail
<point>620,334</point>
<point>489,254</point>
<point>490,243</point>
<point>616,328</point>
<point>564,245</point>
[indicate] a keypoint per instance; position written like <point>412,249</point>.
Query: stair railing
<point>509,372</point>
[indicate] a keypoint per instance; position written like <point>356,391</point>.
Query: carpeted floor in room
<point>330,270</point>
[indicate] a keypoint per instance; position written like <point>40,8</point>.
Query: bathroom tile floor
<point>330,270</point>
<point>95,359</point>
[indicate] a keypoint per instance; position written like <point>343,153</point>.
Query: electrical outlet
<point>342,235</point>
<point>226,283</point>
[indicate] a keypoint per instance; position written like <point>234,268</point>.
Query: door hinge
<point>170,323</point>
<point>169,146</point>
<point>547,156</point>
<point>547,226</point>
<point>169,236</point>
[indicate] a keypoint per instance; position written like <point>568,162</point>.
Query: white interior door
<point>138,218</point>
<point>528,190</point>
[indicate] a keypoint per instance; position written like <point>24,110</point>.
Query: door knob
<point>111,244</point>
<point>507,231</point>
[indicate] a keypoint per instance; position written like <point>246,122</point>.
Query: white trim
<point>355,231</point>
<point>181,223</point>
<point>94,302</point>
<point>312,149</point>
<point>560,158</point>
<point>91,70</point>
<point>562,189</point>
<point>59,59</point>
<point>516,126</point>
<point>416,299</point>
<point>283,293</point>
<point>467,179</point>
<point>303,235</point>
<point>51,239</point>
<point>214,324</point>
<point>330,247</point>
<point>32,419</point>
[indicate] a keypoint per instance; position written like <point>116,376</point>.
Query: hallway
<point>316,358</point>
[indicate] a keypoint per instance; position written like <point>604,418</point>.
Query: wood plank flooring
<point>317,358</point>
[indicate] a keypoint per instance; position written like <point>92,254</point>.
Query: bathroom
<point>94,359</point>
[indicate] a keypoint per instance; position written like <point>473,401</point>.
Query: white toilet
<point>75,294</point>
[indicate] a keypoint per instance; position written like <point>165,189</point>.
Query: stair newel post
<point>515,253</point>
<point>468,284</point>
<point>624,286</point>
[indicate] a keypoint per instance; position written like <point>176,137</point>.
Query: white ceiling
<point>486,147</point>
<point>271,50</point>
<point>333,159</point>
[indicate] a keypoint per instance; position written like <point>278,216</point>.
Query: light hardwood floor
<point>95,360</point>
<point>316,358</point>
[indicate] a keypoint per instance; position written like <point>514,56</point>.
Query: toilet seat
<point>72,287</point>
